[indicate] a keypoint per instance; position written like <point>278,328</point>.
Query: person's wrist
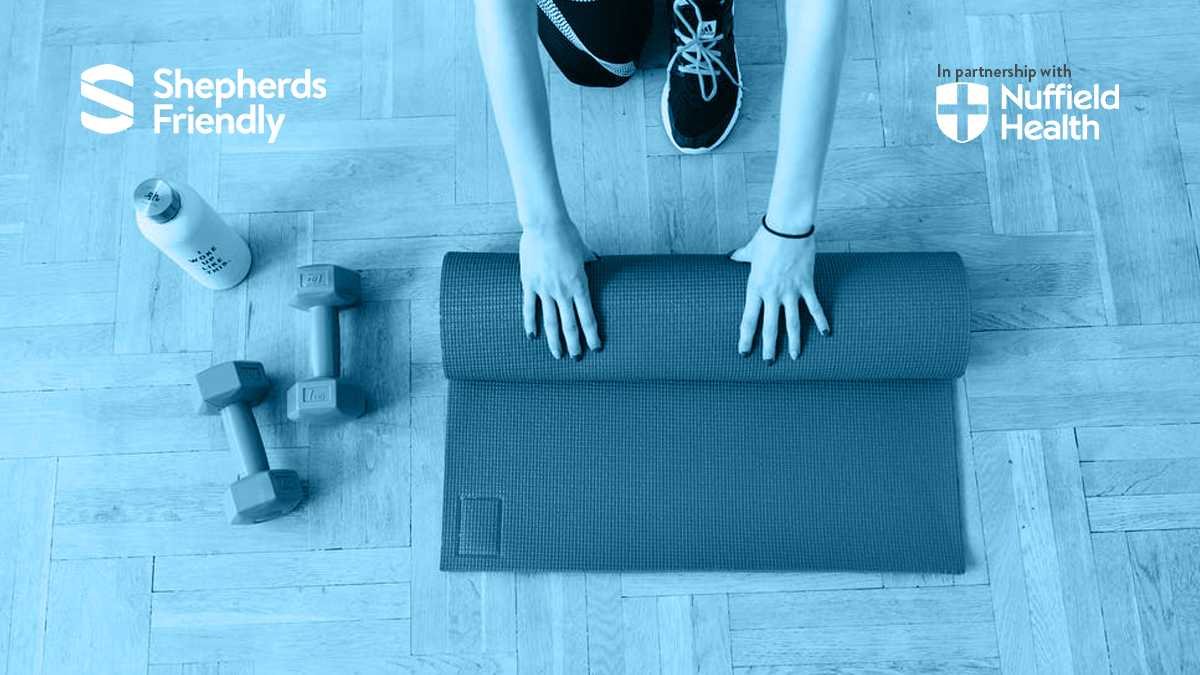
<point>791,230</point>
<point>547,223</point>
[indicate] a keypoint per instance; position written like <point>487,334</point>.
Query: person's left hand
<point>781,273</point>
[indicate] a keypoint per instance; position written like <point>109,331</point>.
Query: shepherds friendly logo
<point>89,90</point>
<point>255,121</point>
<point>962,107</point>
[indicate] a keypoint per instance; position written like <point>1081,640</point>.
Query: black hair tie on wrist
<point>811,229</point>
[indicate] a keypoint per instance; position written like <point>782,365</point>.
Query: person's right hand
<point>552,272</point>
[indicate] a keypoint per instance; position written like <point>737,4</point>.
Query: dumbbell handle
<point>242,432</point>
<point>325,345</point>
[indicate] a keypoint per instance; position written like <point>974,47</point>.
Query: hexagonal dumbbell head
<point>325,400</point>
<point>325,285</point>
<point>263,496</point>
<point>227,383</point>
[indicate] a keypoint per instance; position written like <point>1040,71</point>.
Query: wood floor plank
<point>54,309</point>
<point>706,583</point>
<point>277,334</point>
<point>605,624</point>
<point>1142,389</point>
<point>734,228</point>
<point>676,639</point>
<point>97,372</point>
<point>359,485</point>
<point>1114,572</point>
<point>614,171</point>
<point>45,342</point>
<point>640,622</point>
<point>1140,477</point>
<point>1073,544</point>
<point>25,533</point>
<point>867,607</point>
<point>710,629</point>
<point>101,421</point>
<point>423,58</point>
<point>470,111</point>
<point>77,22</point>
<point>375,357</point>
<point>23,34</point>
<point>164,504</point>
<point>303,647</point>
<point>364,254</point>
<point>911,39</point>
<point>300,604</point>
<point>785,646</point>
<point>1130,60</point>
<point>287,569</point>
<point>552,623</point>
<point>566,111</point>
<point>1043,184</point>
<point>430,632</point>
<point>44,152</point>
<point>14,199</point>
<point>1144,512</point>
<point>1137,181</point>
<point>98,276</point>
<point>1168,629</point>
<point>1006,567</point>
<point>1169,441</point>
<point>939,667</point>
<point>98,612</point>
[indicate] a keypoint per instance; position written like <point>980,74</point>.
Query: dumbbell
<point>322,290</point>
<point>262,493</point>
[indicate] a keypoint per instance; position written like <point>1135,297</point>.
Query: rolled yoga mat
<point>668,451</point>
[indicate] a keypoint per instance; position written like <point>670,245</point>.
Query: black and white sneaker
<point>703,93</point>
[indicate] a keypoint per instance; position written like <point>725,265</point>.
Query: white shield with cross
<point>962,109</point>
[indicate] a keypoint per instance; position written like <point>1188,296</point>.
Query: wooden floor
<point>1081,416</point>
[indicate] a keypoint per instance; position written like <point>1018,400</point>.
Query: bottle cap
<point>155,199</point>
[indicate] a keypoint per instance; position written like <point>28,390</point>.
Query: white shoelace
<point>697,49</point>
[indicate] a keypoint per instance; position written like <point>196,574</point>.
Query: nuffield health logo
<point>89,90</point>
<point>962,110</point>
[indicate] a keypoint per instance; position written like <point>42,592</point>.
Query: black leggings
<point>613,31</point>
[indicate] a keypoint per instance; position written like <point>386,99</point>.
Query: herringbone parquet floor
<point>1080,410</point>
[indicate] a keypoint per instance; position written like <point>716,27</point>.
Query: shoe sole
<point>666,116</point>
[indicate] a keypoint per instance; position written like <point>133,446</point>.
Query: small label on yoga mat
<point>479,526</point>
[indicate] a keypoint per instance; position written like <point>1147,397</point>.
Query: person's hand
<point>781,274</point>
<point>552,273</point>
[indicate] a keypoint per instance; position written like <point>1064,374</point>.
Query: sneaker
<point>703,93</point>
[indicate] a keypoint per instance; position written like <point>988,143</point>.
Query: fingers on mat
<point>570,327</point>
<point>550,318</point>
<point>587,321</point>
<point>814,308</point>
<point>770,331</point>
<point>749,323</point>
<point>529,310</point>
<point>791,314</point>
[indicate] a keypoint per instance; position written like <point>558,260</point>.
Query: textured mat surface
<point>669,451</point>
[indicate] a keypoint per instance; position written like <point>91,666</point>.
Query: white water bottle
<point>182,225</point>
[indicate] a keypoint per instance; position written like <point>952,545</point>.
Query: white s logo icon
<point>106,125</point>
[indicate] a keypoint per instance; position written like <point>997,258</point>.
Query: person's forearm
<point>816,40</point>
<point>507,31</point>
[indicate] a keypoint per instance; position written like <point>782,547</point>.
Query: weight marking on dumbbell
<point>316,394</point>
<point>313,279</point>
<point>253,372</point>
